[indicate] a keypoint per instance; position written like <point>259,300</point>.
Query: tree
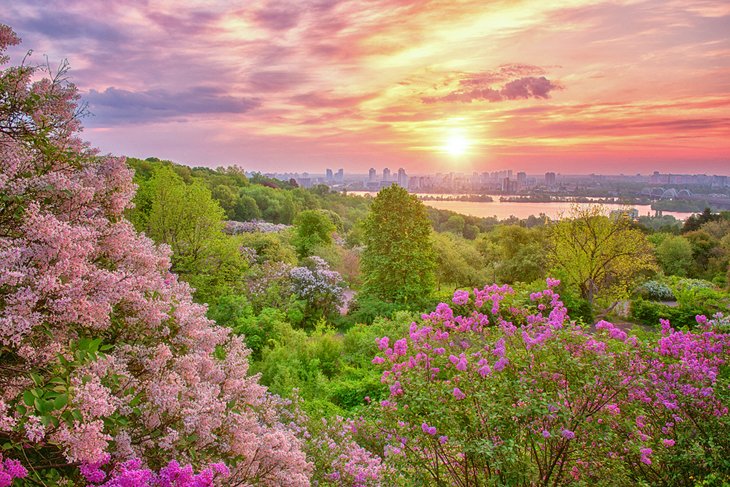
<point>104,358</point>
<point>455,224</point>
<point>598,255</point>
<point>183,216</point>
<point>246,209</point>
<point>516,254</point>
<point>694,222</point>
<point>312,228</point>
<point>674,255</point>
<point>398,262</point>
<point>458,261</point>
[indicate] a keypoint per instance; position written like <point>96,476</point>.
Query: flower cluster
<point>103,344</point>
<point>234,227</point>
<point>321,287</point>
<point>482,393</point>
<point>132,473</point>
<point>10,469</point>
<point>332,445</point>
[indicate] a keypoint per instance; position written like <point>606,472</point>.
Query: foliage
<point>600,256</point>
<point>482,393</point>
<point>312,228</point>
<point>674,255</point>
<point>183,216</point>
<point>366,308</point>
<point>398,261</point>
<point>655,291</point>
<point>458,262</point>
<point>102,351</point>
<point>514,253</point>
<point>694,222</point>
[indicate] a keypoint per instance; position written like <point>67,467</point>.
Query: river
<point>504,210</point>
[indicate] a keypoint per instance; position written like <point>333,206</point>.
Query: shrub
<point>486,393</point>
<point>655,291</point>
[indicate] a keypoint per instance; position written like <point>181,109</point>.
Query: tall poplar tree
<point>399,261</point>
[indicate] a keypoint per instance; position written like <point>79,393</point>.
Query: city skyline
<point>583,87</point>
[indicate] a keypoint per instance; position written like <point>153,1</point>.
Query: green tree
<point>246,209</point>
<point>458,262</point>
<point>183,216</point>
<point>312,228</point>
<point>455,224</point>
<point>471,232</point>
<point>600,256</point>
<point>398,262</point>
<point>227,197</point>
<point>694,222</point>
<point>674,255</point>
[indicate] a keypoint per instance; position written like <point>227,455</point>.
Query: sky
<point>574,86</point>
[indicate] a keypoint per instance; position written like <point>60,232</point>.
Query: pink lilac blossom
<point>72,266</point>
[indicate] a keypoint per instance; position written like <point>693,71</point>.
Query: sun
<point>456,145</point>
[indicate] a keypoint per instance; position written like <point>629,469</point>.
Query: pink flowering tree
<point>104,358</point>
<point>486,392</point>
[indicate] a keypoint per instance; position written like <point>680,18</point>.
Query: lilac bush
<point>234,227</point>
<point>484,392</point>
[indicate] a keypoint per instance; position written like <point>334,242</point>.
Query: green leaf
<point>28,397</point>
<point>60,401</point>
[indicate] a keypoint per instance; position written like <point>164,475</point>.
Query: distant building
<point>372,175</point>
<point>402,178</point>
<point>509,185</point>
<point>386,175</point>
<point>521,180</point>
<point>549,179</point>
<point>328,175</point>
<point>340,176</point>
<point>304,182</point>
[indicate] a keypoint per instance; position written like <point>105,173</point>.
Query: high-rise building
<point>340,176</point>
<point>550,179</point>
<point>509,185</point>
<point>386,175</point>
<point>372,174</point>
<point>328,175</point>
<point>402,178</point>
<point>521,182</point>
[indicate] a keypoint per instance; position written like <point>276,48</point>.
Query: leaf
<point>37,379</point>
<point>60,401</point>
<point>28,397</point>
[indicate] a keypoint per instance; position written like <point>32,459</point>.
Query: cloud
<point>503,73</point>
<point>528,87</point>
<point>275,80</point>
<point>278,16</point>
<point>115,106</point>
<point>70,26</point>
<point>518,81</point>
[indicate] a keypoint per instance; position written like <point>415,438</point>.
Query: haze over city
<point>573,87</point>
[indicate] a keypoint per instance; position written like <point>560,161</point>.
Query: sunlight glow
<point>456,144</point>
